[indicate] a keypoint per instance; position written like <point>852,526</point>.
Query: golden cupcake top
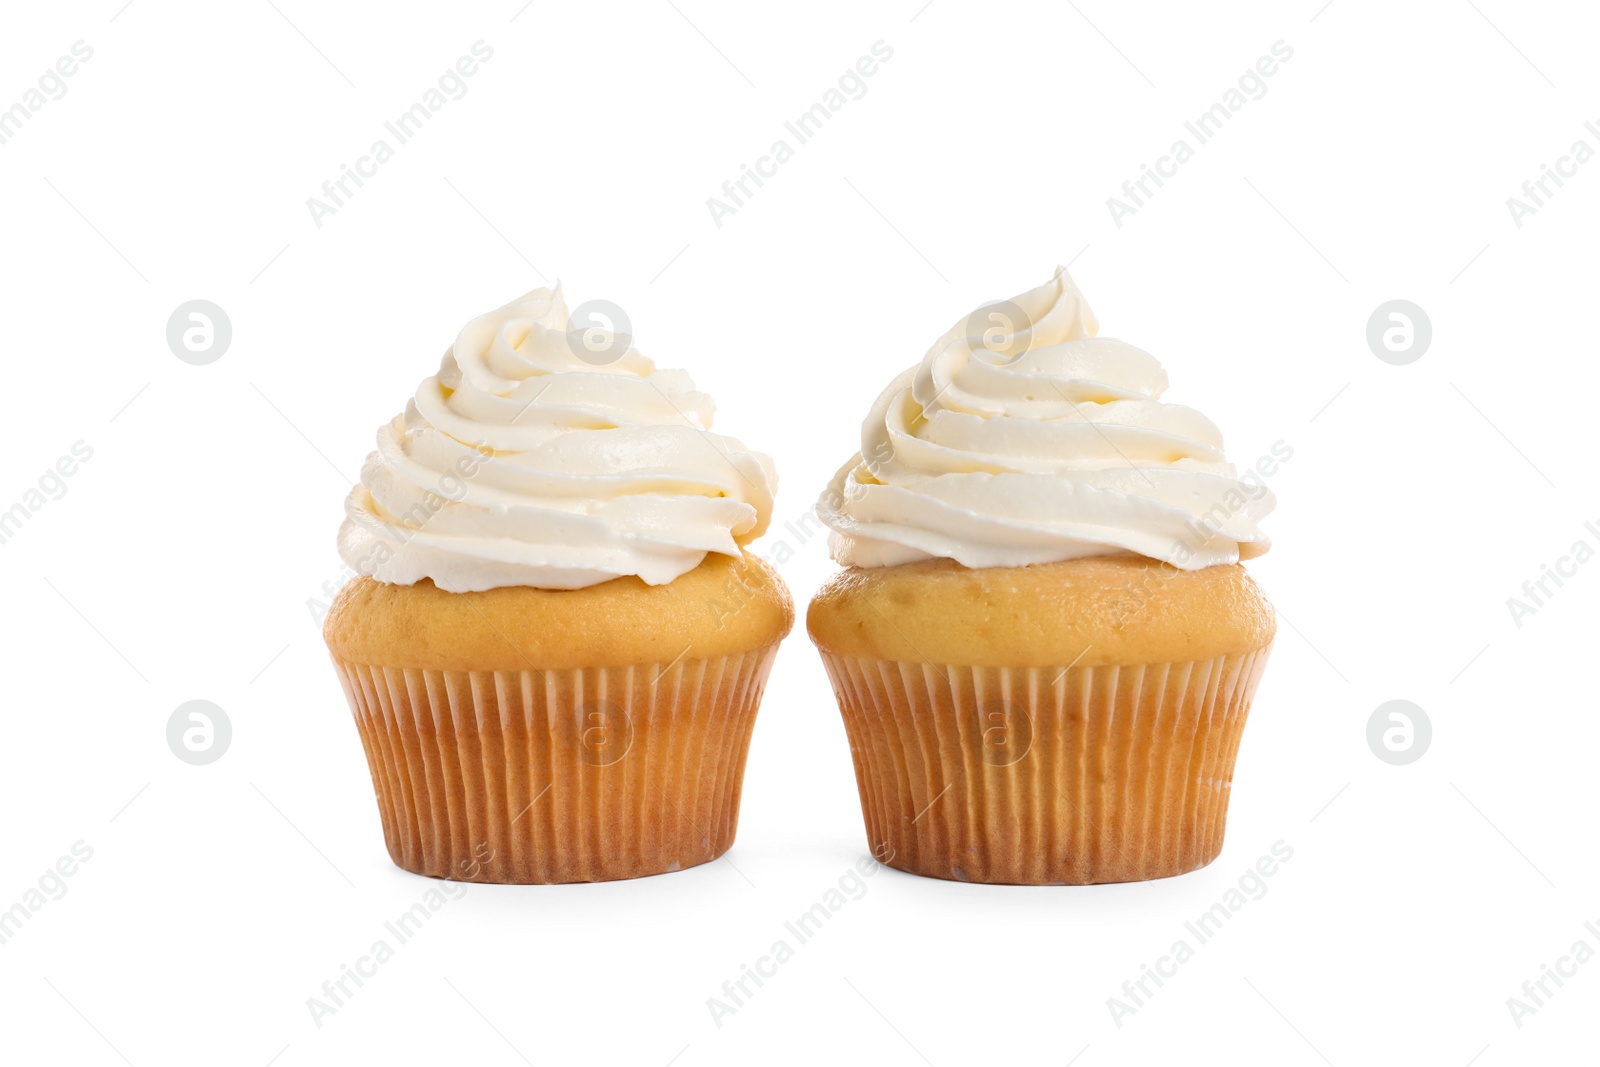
<point>1084,612</point>
<point>724,606</point>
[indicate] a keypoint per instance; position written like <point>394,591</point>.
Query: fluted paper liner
<point>575,775</point>
<point>1045,776</point>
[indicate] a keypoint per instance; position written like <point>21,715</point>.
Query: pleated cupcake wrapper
<point>1036,776</point>
<point>558,775</point>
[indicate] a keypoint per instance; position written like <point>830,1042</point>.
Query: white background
<point>180,561</point>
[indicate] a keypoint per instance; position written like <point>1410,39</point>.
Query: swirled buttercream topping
<point>1022,437</point>
<point>550,453</point>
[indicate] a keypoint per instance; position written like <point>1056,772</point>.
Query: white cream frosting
<point>543,457</point>
<point>1023,438</point>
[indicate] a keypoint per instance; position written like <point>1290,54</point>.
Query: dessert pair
<point>1042,643</point>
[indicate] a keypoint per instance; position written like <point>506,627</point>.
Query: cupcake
<point>556,642</point>
<point>1043,644</point>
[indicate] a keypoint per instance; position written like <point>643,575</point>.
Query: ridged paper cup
<point>504,747</point>
<point>1045,775</point>
<point>558,775</point>
<point>1072,756</point>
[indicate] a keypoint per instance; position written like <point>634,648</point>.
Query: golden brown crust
<point>1096,611</point>
<point>722,607</point>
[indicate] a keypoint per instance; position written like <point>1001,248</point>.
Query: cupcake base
<point>560,775</point>
<point>1045,775</point>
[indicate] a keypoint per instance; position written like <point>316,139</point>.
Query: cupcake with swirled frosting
<point>556,641</point>
<point>1043,643</point>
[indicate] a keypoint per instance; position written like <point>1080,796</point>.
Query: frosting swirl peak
<point>1023,437</point>
<point>551,453</point>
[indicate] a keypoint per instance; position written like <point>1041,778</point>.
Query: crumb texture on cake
<point>1094,611</point>
<point>722,607</point>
